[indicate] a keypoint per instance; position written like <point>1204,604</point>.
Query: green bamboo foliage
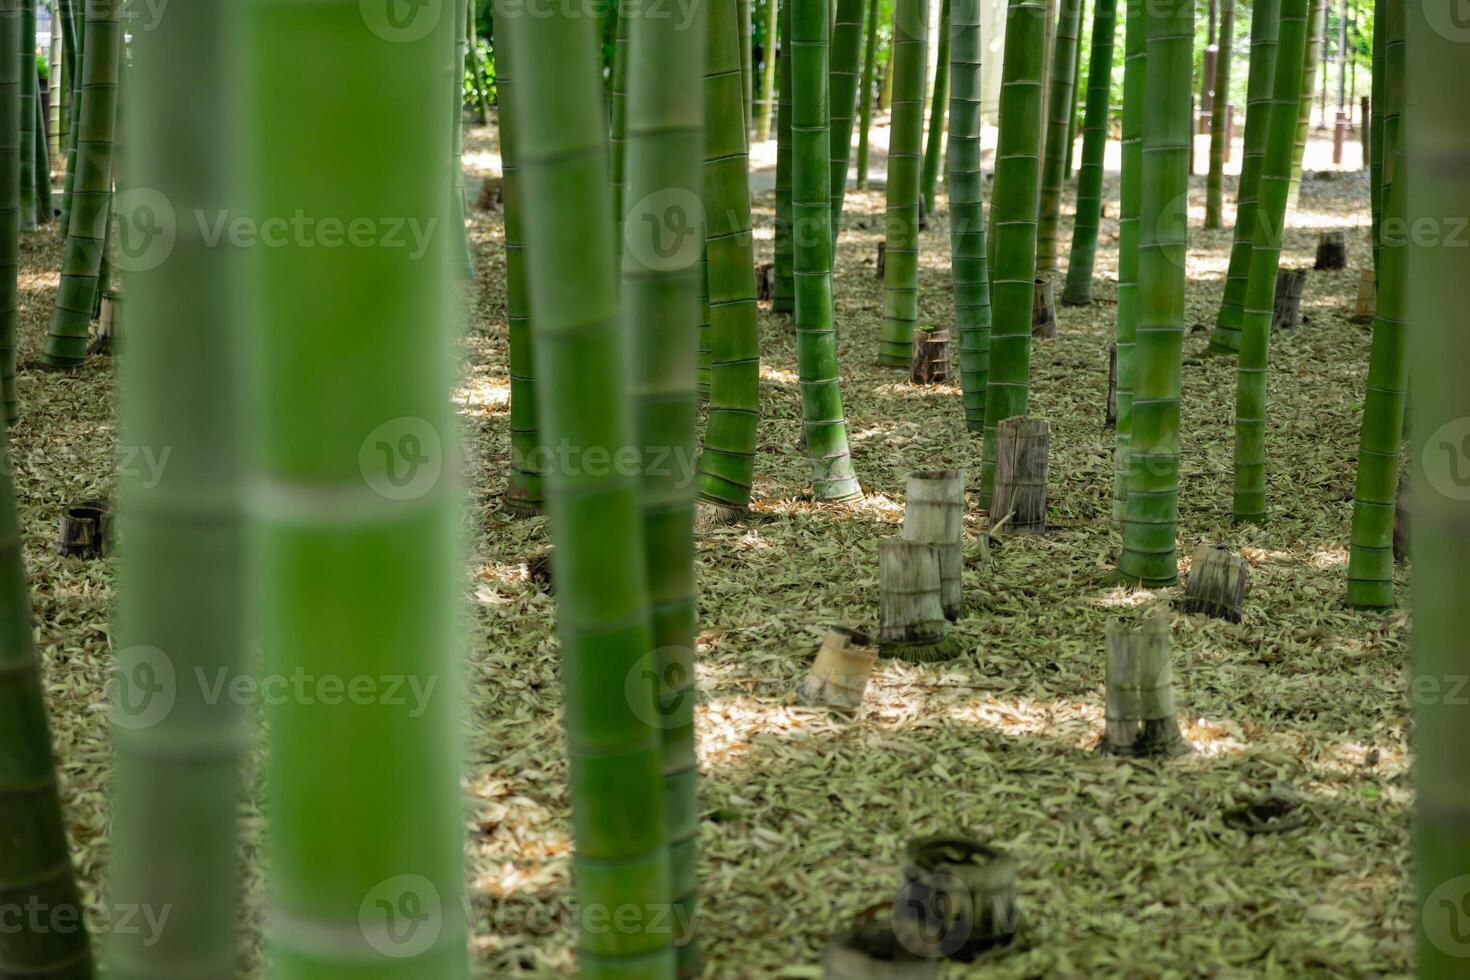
<point>1255,336</point>
<point>727,464</point>
<point>9,203</point>
<point>1014,200</point>
<point>783,294</point>
<point>1214,183</point>
<point>967,209</point>
<point>1436,159</point>
<point>1078,289</point>
<point>901,226</point>
<point>847,45</point>
<point>614,744</point>
<point>352,508</point>
<point>936,110</point>
<point>1316,23</point>
<point>174,812</point>
<point>29,92</point>
<point>1059,103</point>
<point>768,73</point>
<point>524,493</point>
<point>1135,51</point>
<point>1370,565</point>
<point>816,337</point>
<point>865,94</point>
<point>66,340</point>
<point>663,232</point>
<point>1152,508</point>
<point>74,127</point>
<point>1265,25</point>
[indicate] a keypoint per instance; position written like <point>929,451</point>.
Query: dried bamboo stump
<point>911,623</point>
<point>109,324</point>
<point>1290,284</point>
<point>86,530</point>
<point>1044,309</point>
<point>1021,448</point>
<point>765,282</point>
<point>1110,420</point>
<point>1367,301</point>
<point>870,950</point>
<point>1332,250</point>
<point>958,898</point>
<point>1140,692</point>
<point>1216,584</point>
<point>930,362</point>
<point>934,513</point>
<point>882,259</point>
<point>839,675</point>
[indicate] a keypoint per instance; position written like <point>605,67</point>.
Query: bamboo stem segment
<point>1019,503</point>
<point>1078,290</point>
<point>901,228</point>
<point>968,268</point>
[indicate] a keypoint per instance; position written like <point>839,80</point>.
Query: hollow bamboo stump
<point>109,323</point>
<point>870,950</point>
<point>1044,309</point>
<point>930,362</point>
<point>911,623</point>
<point>1021,447</point>
<point>839,674</point>
<point>958,898</point>
<point>1216,584</point>
<point>1332,250</point>
<point>1140,692</point>
<point>1401,520</point>
<point>1367,302</point>
<point>86,530</point>
<point>882,259</point>
<point>934,513</point>
<point>765,282</point>
<point>1110,420</point>
<point>1289,286</point>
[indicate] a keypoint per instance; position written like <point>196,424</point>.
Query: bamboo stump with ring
<point>839,675</point>
<point>1140,718</point>
<point>930,362</point>
<point>1290,283</point>
<point>911,623</point>
<point>1216,583</point>
<point>1021,449</point>
<point>86,530</point>
<point>1044,309</point>
<point>934,513</point>
<point>958,898</point>
<point>1331,250</point>
<point>1367,301</point>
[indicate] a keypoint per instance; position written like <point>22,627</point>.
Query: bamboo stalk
<point>1214,183</point>
<point>968,268</point>
<point>865,94</point>
<point>936,111</point>
<point>1135,45</point>
<point>9,203</point>
<point>1078,289</point>
<point>1059,102</point>
<point>905,144</point>
<point>783,297</point>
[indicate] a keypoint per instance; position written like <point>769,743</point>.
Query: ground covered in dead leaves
<point>1126,869</point>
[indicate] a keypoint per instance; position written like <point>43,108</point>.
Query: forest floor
<point>1126,869</point>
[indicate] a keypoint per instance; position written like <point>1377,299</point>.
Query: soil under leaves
<point>1125,868</point>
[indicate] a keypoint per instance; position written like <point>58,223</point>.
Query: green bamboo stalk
<point>1135,60</point>
<point>1071,143</point>
<point>1059,101</point>
<point>1255,338</point>
<point>615,747</point>
<point>847,41</point>
<point>352,515</point>
<point>968,268</point>
<point>1436,158</point>
<point>905,145</point>
<point>1265,26</point>
<point>1215,182</point>
<point>63,227</point>
<point>930,178</point>
<point>29,83</point>
<point>1078,289</point>
<point>660,302</point>
<point>1152,508</point>
<point>783,294</point>
<point>1014,200</point>
<point>1370,565</point>
<point>619,126</point>
<point>865,94</point>
<point>1316,22</point>
<point>42,168</point>
<point>9,203</point>
<point>833,478</point>
<point>727,464</point>
<point>176,785</point>
<point>66,340</point>
<point>768,73</point>
<point>457,200</point>
<point>1375,132</point>
<point>473,65</point>
<point>524,492</point>
<point>747,83</point>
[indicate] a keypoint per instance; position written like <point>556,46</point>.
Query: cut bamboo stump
<point>1332,250</point>
<point>1044,309</point>
<point>1289,286</point>
<point>109,324</point>
<point>882,259</point>
<point>491,194</point>
<point>1110,421</point>
<point>1140,692</point>
<point>930,363</point>
<point>765,282</point>
<point>1216,584</point>
<point>911,623</point>
<point>934,513</point>
<point>86,530</point>
<point>1367,304</point>
<point>1401,520</point>
<point>1021,447</point>
<point>839,675</point>
<point>923,214</point>
<point>958,898</point>
<point>870,950</point>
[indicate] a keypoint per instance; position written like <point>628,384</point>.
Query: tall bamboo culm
<point>1135,58</point>
<point>174,811</point>
<point>866,94</point>
<point>727,464</point>
<point>783,295</point>
<point>765,102</point>
<point>1014,200</point>
<point>1436,158</point>
<point>1255,333</point>
<point>1078,289</point>
<point>1152,507</point>
<point>1375,132</point>
<point>968,268</point>
<point>81,262</point>
<point>846,48</point>
<point>1316,23</point>
<point>9,204</point>
<point>901,220</point>
<point>29,95</point>
<point>1214,183</point>
<point>935,140</point>
<point>1265,26</point>
<point>661,303</point>
<point>79,32</point>
<point>1059,104</point>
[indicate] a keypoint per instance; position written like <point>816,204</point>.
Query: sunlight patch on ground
<point>493,393</point>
